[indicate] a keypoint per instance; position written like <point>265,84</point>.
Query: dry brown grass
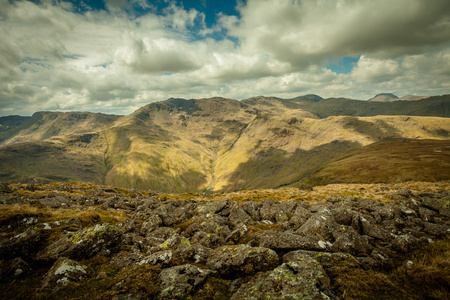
<point>46,215</point>
<point>319,193</point>
<point>390,161</point>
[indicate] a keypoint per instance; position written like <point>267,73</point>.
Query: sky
<point>115,56</point>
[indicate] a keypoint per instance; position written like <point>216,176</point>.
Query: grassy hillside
<point>390,161</point>
<point>212,144</point>
<point>44,125</point>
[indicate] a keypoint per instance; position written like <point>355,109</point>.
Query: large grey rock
<point>63,272</point>
<point>84,243</point>
<point>349,241</point>
<point>210,224</point>
<point>180,281</point>
<point>320,225</point>
<point>405,243</point>
<point>300,278</point>
<point>239,215</point>
<point>252,208</point>
<point>242,260</point>
<point>301,215</point>
<point>326,259</point>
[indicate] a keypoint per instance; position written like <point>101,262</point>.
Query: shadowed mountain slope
<point>214,144</point>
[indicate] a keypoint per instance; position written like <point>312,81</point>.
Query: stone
<point>63,272</point>
<point>436,229</point>
<point>432,203</point>
<point>301,215</point>
<point>405,243</point>
<point>279,240</point>
<point>129,225</point>
<point>174,242</point>
<point>301,278</point>
<point>209,224</point>
<point>180,281</point>
<point>349,241</point>
<point>161,257</point>
<point>213,207</point>
<point>242,260</point>
<point>84,243</point>
<point>252,208</point>
<point>342,214</point>
<point>326,259</point>
<point>151,222</point>
<point>210,240</point>
<point>198,254</point>
<point>239,232</point>
<point>321,225</point>
<point>239,215</point>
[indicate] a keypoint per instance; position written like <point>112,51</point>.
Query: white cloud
<point>375,70</point>
<point>309,31</point>
<point>52,58</point>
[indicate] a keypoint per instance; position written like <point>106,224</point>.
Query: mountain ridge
<point>213,144</point>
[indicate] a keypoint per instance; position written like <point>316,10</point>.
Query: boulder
<point>405,243</point>
<point>210,240</point>
<point>432,203</point>
<point>326,259</point>
<point>63,272</point>
<point>275,212</point>
<point>252,208</point>
<point>239,215</point>
<point>301,215</point>
<point>349,241</point>
<point>240,231</point>
<point>85,243</point>
<point>279,240</point>
<point>161,257</point>
<point>174,242</point>
<point>210,224</point>
<point>242,260</point>
<point>180,281</point>
<point>301,278</point>
<point>342,214</point>
<point>320,225</point>
<point>198,254</point>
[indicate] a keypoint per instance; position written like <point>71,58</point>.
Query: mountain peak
<point>308,98</point>
<point>384,97</point>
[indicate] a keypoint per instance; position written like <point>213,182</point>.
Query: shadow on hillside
<point>275,168</point>
<point>377,131</point>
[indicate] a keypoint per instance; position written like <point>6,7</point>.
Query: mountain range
<point>220,145</point>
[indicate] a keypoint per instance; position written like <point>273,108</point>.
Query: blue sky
<point>115,56</point>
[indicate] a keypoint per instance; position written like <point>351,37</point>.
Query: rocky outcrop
<point>251,250</point>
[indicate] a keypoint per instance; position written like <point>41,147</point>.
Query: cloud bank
<point>58,56</point>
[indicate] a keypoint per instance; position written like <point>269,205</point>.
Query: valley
<point>222,145</point>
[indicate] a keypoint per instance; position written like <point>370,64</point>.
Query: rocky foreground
<point>81,241</point>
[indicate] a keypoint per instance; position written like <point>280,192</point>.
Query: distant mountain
<point>384,97</point>
<point>412,98</point>
<point>307,98</point>
<point>214,144</point>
